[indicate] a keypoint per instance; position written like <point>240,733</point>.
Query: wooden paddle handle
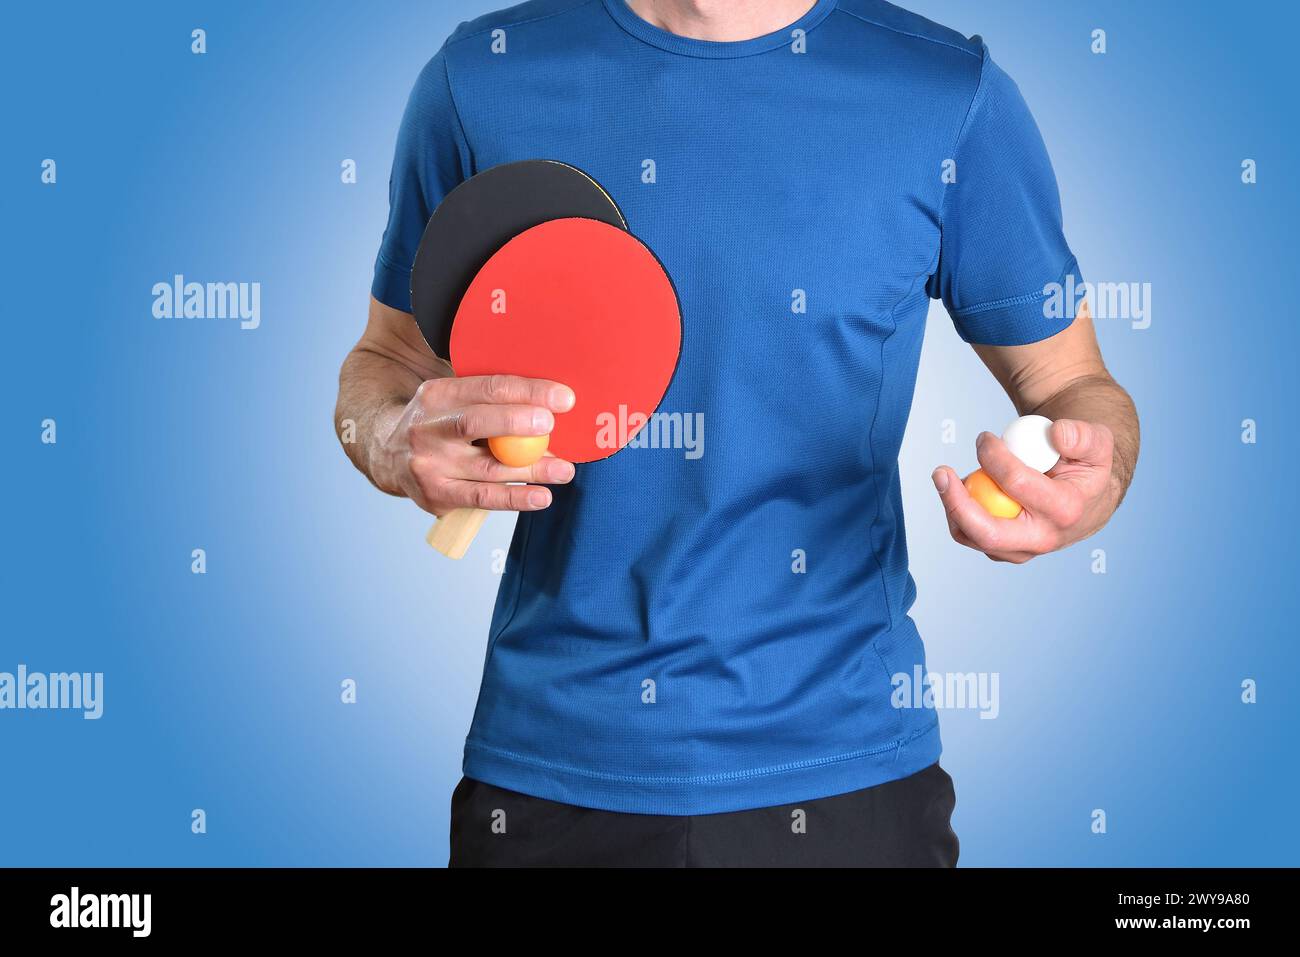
<point>453,533</point>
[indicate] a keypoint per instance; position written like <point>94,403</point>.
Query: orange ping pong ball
<point>519,451</point>
<point>987,492</point>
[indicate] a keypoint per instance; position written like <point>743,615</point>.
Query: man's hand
<point>1067,504</point>
<point>429,454</point>
<point>1095,429</point>
<point>410,426</point>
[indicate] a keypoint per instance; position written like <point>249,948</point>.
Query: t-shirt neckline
<point>714,49</point>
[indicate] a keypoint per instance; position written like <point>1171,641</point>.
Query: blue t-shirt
<point>712,621</point>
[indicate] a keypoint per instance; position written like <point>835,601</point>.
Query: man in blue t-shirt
<point>660,687</point>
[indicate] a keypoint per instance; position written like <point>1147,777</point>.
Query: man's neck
<point>720,20</point>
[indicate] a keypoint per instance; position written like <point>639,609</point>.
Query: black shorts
<point>904,823</point>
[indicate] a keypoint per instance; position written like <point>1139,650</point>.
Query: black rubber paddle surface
<point>480,216</point>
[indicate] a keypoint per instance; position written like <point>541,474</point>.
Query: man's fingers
<point>1087,442</point>
<point>1059,502</point>
<point>1053,505</point>
<point>975,528</point>
<point>480,465</point>
<point>510,390</point>
<point>458,493</point>
<point>958,536</point>
<point>968,523</point>
<point>483,421</point>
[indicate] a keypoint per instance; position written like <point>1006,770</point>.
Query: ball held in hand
<point>989,494</point>
<point>518,451</point>
<point>1030,439</point>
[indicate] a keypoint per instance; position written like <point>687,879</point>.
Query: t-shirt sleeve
<point>431,159</point>
<point>1002,244</point>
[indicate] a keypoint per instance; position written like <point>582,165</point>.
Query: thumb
<point>1085,442</point>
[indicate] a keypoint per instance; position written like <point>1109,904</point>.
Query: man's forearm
<point>1100,399</point>
<point>373,392</point>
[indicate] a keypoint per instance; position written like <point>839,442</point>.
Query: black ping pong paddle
<point>480,216</point>
<point>472,223</point>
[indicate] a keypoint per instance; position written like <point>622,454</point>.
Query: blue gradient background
<point>1118,691</point>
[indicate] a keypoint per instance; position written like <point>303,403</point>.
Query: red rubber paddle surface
<point>583,303</point>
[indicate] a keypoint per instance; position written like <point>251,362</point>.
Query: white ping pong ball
<point>1029,439</point>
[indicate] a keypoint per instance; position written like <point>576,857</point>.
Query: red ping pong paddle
<point>580,302</point>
